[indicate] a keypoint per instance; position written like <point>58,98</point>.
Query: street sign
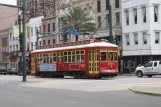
<point>73,32</point>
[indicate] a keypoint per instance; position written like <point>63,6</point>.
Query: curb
<point>145,93</point>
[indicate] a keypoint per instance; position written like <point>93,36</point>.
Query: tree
<point>77,19</point>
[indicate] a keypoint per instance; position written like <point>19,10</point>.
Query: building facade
<point>35,24</point>
<point>62,9</point>
<point>141,31</point>
<point>14,46</point>
<point>7,18</point>
<point>48,26</point>
<point>101,20</point>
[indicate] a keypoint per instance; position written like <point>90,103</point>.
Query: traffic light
<point>21,42</point>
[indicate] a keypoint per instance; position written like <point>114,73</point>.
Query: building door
<point>33,65</point>
<point>93,62</point>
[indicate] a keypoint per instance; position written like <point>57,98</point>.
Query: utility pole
<point>24,40</point>
<point>23,8</point>
<point>20,42</point>
<point>110,21</point>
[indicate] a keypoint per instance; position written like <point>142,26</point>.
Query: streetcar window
<point>44,58</point>
<point>77,56</point>
<point>82,56</point>
<point>65,56</point>
<point>69,57</point>
<point>40,59</point>
<point>54,58</point>
<point>60,57</point>
<point>110,56</point>
<point>115,56</point>
<point>73,56</point>
<point>47,56</point>
<point>103,56</point>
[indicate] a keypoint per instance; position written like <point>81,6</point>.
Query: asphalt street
<point>13,94</point>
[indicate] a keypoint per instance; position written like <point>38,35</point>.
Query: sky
<point>13,2</point>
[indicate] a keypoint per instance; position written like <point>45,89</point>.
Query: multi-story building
<point>62,9</point>
<point>7,18</point>
<point>35,24</point>
<point>101,11</point>
<point>14,46</point>
<point>141,31</point>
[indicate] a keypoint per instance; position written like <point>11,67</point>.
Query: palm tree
<point>77,19</point>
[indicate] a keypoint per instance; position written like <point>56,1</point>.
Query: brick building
<point>8,16</point>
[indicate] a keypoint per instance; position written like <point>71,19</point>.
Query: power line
<point>98,27</point>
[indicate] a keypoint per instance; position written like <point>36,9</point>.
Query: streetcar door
<point>33,65</point>
<point>93,62</point>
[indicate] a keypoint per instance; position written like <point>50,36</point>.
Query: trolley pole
<point>24,40</point>
<point>110,22</point>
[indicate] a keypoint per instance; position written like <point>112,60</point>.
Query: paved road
<point>12,94</point>
<point>117,84</point>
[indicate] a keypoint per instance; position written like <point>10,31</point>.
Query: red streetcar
<point>82,59</point>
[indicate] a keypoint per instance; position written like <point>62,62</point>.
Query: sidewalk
<point>147,90</point>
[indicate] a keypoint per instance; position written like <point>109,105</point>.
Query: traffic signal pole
<point>23,8</point>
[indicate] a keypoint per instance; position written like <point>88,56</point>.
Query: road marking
<point>69,102</point>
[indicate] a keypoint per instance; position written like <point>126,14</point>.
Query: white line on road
<point>71,102</point>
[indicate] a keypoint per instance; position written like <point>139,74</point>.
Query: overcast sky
<point>13,2</point>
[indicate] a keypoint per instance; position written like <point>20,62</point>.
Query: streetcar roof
<point>96,44</point>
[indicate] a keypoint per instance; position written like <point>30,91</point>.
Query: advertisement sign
<point>48,67</point>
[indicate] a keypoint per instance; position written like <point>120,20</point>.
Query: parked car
<point>12,71</point>
<point>149,69</point>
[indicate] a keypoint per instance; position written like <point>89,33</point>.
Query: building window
<point>53,41</point>
<point>135,16</point>
<point>127,16</point>
<point>107,4</point>
<point>118,18</point>
<point>36,28</point>
<point>16,47</point>
<point>44,43</point>
<point>13,47</point>
<point>136,38</point>
<point>117,3</point>
<point>157,37</point>
<point>98,6</point>
<point>10,48</point>
<point>44,28</point>
<point>39,43</point>
<point>39,28</point>
<point>31,31</point>
<point>156,9</point>
<point>107,21</point>
<point>144,14</point>
<point>48,27</point>
<point>144,37</point>
<point>31,45</point>
<point>99,21</point>
<point>35,44</point>
<point>127,40</point>
<point>48,42</point>
<point>10,36</point>
<point>53,27</point>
